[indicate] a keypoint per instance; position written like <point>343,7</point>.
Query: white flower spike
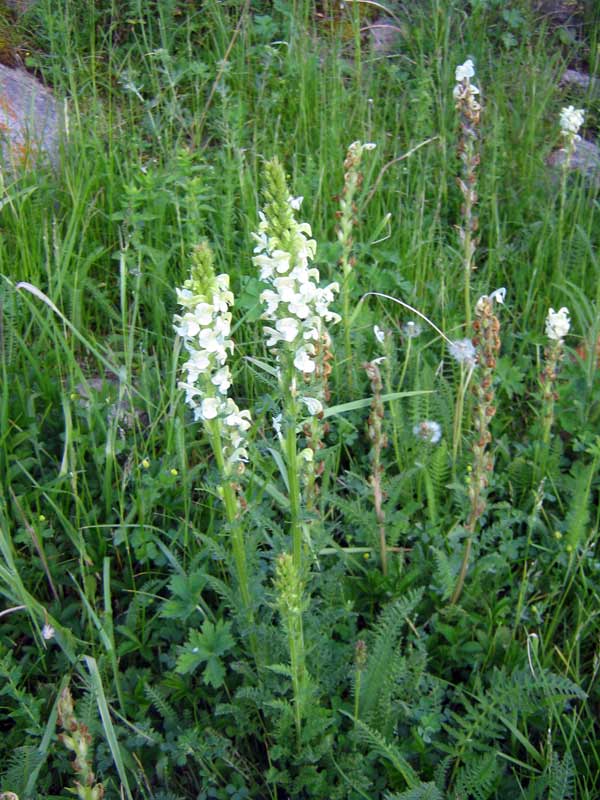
<point>571,120</point>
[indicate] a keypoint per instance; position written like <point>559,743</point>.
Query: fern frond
<point>377,742</point>
<point>161,704</point>
<point>561,778</point>
<point>22,762</point>
<point>444,575</point>
<point>383,663</point>
<point>478,778</point>
<point>424,791</point>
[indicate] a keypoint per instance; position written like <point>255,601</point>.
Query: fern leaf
<point>22,762</point>
<point>424,791</point>
<point>384,652</point>
<point>387,750</point>
<point>161,704</point>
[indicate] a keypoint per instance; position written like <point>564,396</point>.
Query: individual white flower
<point>428,431</point>
<point>497,296</point>
<point>379,334</point>
<point>463,351</point>
<point>48,632</point>
<point>557,324</point>
<point>412,329</point>
<point>277,420</point>
<point>295,202</point>
<point>210,408</point>
<point>571,120</point>
<point>313,405</point>
<point>287,328</point>
<point>303,362</point>
<point>465,71</point>
<point>222,380</point>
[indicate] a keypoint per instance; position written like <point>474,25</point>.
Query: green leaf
<point>343,408</point>
<point>207,646</point>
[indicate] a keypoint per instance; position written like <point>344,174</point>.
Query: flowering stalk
<point>487,344</point>
<point>77,739</point>
<point>462,351</point>
<point>291,603</point>
<point>298,310</point>
<point>469,111</point>
<point>360,662</point>
<point>571,120</point>
<point>205,326</point>
<point>346,216</point>
<point>557,327</point>
<point>379,441</point>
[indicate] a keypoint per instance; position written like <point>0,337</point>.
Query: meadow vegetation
<point>300,407</point>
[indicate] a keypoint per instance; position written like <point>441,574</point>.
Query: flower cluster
<point>557,324</point>
<point>465,91</point>
<point>296,305</point>
<point>571,120</point>
<point>205,327</point>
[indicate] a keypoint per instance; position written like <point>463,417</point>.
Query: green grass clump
<point>396,596</point>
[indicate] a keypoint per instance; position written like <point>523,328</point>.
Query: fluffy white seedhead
<point>463,351</point>
<point>428,431</point>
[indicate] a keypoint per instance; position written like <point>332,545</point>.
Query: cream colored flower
<point>557,324</point>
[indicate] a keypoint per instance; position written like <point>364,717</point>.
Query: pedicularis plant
<point>271,535</point>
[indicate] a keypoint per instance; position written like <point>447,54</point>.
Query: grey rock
<point>585,159</point>
<point>29,121</point>
<point>572,77</point>
<point>20,6</point>
<point>384,35</point>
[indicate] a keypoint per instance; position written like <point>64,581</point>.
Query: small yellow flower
<point>174,472</point>
<point>145,463</point>
<point>557,535</point>
<point>42,518</point>
<point>366,556</point>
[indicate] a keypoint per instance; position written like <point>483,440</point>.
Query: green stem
<point>463,571</point>
<point>291,452</point>
<point>346,317</point>
<point>357,694</point>
<point>296,640</point>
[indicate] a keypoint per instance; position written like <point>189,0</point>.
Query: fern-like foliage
<point>478,778</point>
<point>385,663</point>
<point>561,777</point>
<point>424,791</point>
<point>22,762</point>
<point>387,750</point>
<point>161,704</point>
<point>495,715</point>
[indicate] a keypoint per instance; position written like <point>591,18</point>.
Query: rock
<point>585,159</point>
<point>29,121</point>
<point>572,77</point>
<point>20,6</point>
<point>384,35</point>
